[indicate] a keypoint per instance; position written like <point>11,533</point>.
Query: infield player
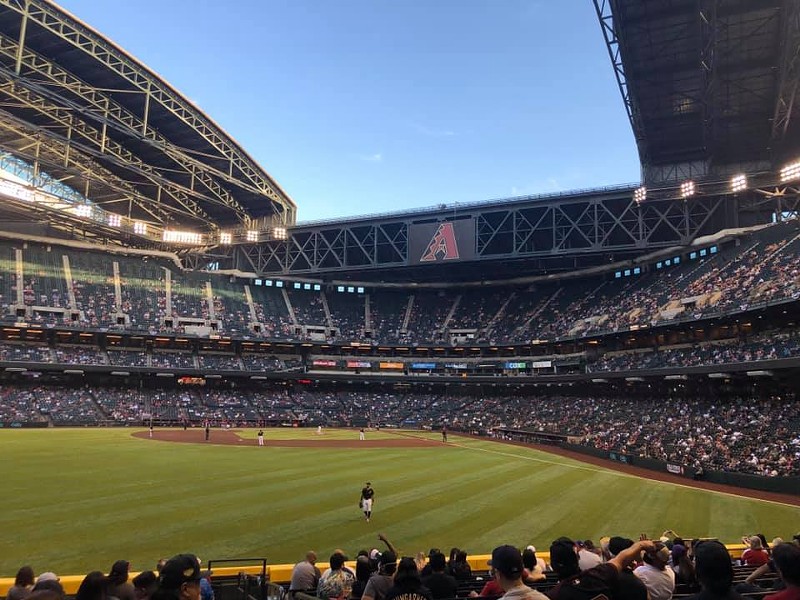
<point>367,496</point>
<point>361,435</point>
<point>260,437</point>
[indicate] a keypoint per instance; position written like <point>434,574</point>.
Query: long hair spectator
<point>93,587</point>
<point>23,583</point>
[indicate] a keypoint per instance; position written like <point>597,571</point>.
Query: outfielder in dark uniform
<point>367,494</point>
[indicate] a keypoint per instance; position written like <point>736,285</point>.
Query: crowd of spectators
<point>616,568</point>
<point>768,346</point>
<point>761,267</point>
<point>78,355</point>
<point>747,435</point>
<point>220,362</point>
<point>742,435</point>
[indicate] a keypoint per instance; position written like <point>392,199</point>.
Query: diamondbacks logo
<point>442,246</point>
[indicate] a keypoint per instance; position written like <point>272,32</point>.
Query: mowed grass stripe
<point>75,500</point>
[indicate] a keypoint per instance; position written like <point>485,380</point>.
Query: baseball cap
<point>387,558</point>
<point>532,548</point>
<point>508,560</point>
<point>47,576</point>
<point>659,554</point>
<point>180,569</point>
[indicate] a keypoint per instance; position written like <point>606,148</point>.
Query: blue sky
<point>368,106</point>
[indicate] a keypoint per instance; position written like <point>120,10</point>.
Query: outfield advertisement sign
<point>430,243</point>
<point>359,364</point>
<point>324,363</point>
<point>423,365</point>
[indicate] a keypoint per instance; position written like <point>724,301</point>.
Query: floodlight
<point>687,189</point>
<point>83,210</point>
<point>140,228</point>
<point>640,195</point>
<point>738,183</point>
<point>279,233</point>
<point>252,235</point>
<point>791,171</point>
<point>181,237</point>
<point>225,238</point>
<point>114,220</point>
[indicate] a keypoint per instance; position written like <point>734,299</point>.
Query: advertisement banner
<point>541,364</point>
<point>423,365</point>
<point>429,243</point>
<point>460,366</point>
<point>359,364</point>
<point>516,365</point>
<point>323,363</point>
<point>676,469</point>
<point>391,365</point>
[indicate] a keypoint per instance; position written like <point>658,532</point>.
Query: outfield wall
<point>282,574</point>
<point>781,485</point>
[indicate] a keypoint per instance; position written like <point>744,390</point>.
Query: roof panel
<point>125,120</point>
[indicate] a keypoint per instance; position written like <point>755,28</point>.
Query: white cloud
<point>377,157</point>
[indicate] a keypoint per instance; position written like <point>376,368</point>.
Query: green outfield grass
<point>74,500</point>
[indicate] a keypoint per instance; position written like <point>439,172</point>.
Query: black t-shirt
<point>630,587</point>
<point>403,593</point>
<point>441,585</point>
<point>598,583</point>
<point>367,493</point>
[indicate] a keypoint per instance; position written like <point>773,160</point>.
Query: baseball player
<point>365,503</point>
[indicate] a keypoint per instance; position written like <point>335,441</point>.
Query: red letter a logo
<point>442,245</point>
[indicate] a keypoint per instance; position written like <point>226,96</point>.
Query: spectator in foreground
<point>630,587</point>
<point>179,579</point>
<point>564,559</point>
<point>338,581</point>
<point>380,582</point>
<point>755,555</point>
<point>507,566</point>
<point>93,587</point>
<point>532,572</point>
<point>305,575</point>
<point>787,561</point>
<point>587,557</point>
<point>144,585</point>
<point>656,573</point>
<point>407,583</point>
<point>714,570</point>
<point>460,568</point>
<point>363,574</point>
<point>23,583</point>
<point>118,584</point>
<point>50,585</point>
<point>440,584</point>
<point>602,580</point>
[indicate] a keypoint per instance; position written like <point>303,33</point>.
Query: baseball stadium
<point>188,370</point>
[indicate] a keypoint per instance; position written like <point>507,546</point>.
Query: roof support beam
<point>789,74</point>
<point>616,48</point>
<point>51,19</point>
